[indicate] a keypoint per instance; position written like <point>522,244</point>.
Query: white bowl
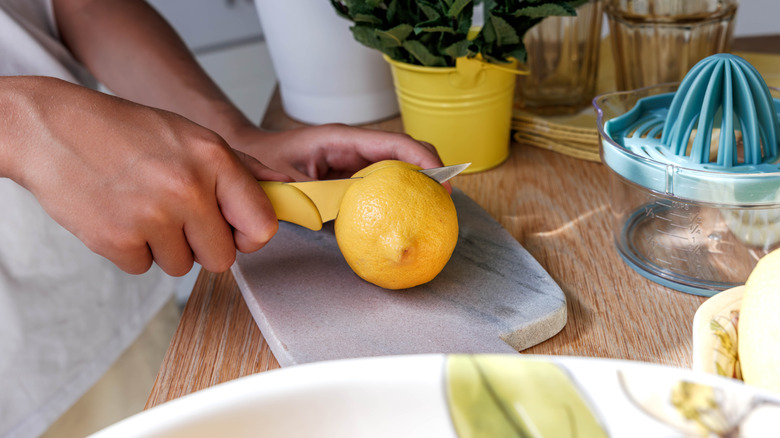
<point>461,395</point>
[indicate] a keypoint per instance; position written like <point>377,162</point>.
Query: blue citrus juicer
<point>695,176</point>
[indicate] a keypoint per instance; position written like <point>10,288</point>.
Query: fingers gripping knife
<point>312,203</point>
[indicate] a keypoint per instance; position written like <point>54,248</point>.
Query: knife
<point>311,203</point>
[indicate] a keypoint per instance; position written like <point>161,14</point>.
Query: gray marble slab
<point>492,297</point>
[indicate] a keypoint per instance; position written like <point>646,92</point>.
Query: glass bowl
<point>698,231</point>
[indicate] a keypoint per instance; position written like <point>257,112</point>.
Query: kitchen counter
<point>555,205</point>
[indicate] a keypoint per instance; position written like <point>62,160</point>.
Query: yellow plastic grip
<point>292,205</point>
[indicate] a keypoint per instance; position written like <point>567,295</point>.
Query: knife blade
<point>311,203</point>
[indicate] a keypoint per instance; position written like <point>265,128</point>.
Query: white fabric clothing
<point>66,314</point>
<point>30,43</point>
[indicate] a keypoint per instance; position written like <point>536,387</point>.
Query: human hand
<point>333,150</point>
<point>135,184</point>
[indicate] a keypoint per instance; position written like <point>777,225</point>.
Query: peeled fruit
<point>759,325</point>
<point>396,227</point>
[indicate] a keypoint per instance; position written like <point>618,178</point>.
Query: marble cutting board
<point>492,297</point>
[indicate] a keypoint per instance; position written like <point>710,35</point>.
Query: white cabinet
<point>757,17</point>
<point>211,24</point>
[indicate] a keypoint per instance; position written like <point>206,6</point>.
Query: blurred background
<point>227,38</point>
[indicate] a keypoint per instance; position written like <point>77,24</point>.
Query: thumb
<point>246,208</point>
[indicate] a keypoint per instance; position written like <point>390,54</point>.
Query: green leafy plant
<point>434,33</point>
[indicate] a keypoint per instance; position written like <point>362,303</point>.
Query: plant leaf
<point>519,54</point>
<point>366,18</point>
<point>341,10</point>
<point>423,55</point>
<point>504,33</point>
<point>435,32</point>
<point>395,36</point>
<point>429,10</point>
<point>457,49</point>
<point>444,29</point>
<point>457,7</point>
<point>546,10</point>
<point>367,36</point>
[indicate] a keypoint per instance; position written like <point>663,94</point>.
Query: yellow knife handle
<point>292,205</point>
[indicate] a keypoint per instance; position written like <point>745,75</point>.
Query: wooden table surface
<point>556,206</point>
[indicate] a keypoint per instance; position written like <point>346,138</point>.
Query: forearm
<point>137,55</point>
<point>24,100</point>
<point>13,114</point>
<point>132,182</point>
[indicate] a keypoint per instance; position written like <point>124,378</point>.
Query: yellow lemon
<point>759,325</point>
<point>396,227</point>
<point>382,164</point>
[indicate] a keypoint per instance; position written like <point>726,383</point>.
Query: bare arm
<point>135,184</point>
<point>131,49</point>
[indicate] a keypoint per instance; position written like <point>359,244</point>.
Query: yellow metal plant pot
<point>464,111</point>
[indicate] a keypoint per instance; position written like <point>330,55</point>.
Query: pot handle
<point>521,69</point>
<point>471,71</point>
